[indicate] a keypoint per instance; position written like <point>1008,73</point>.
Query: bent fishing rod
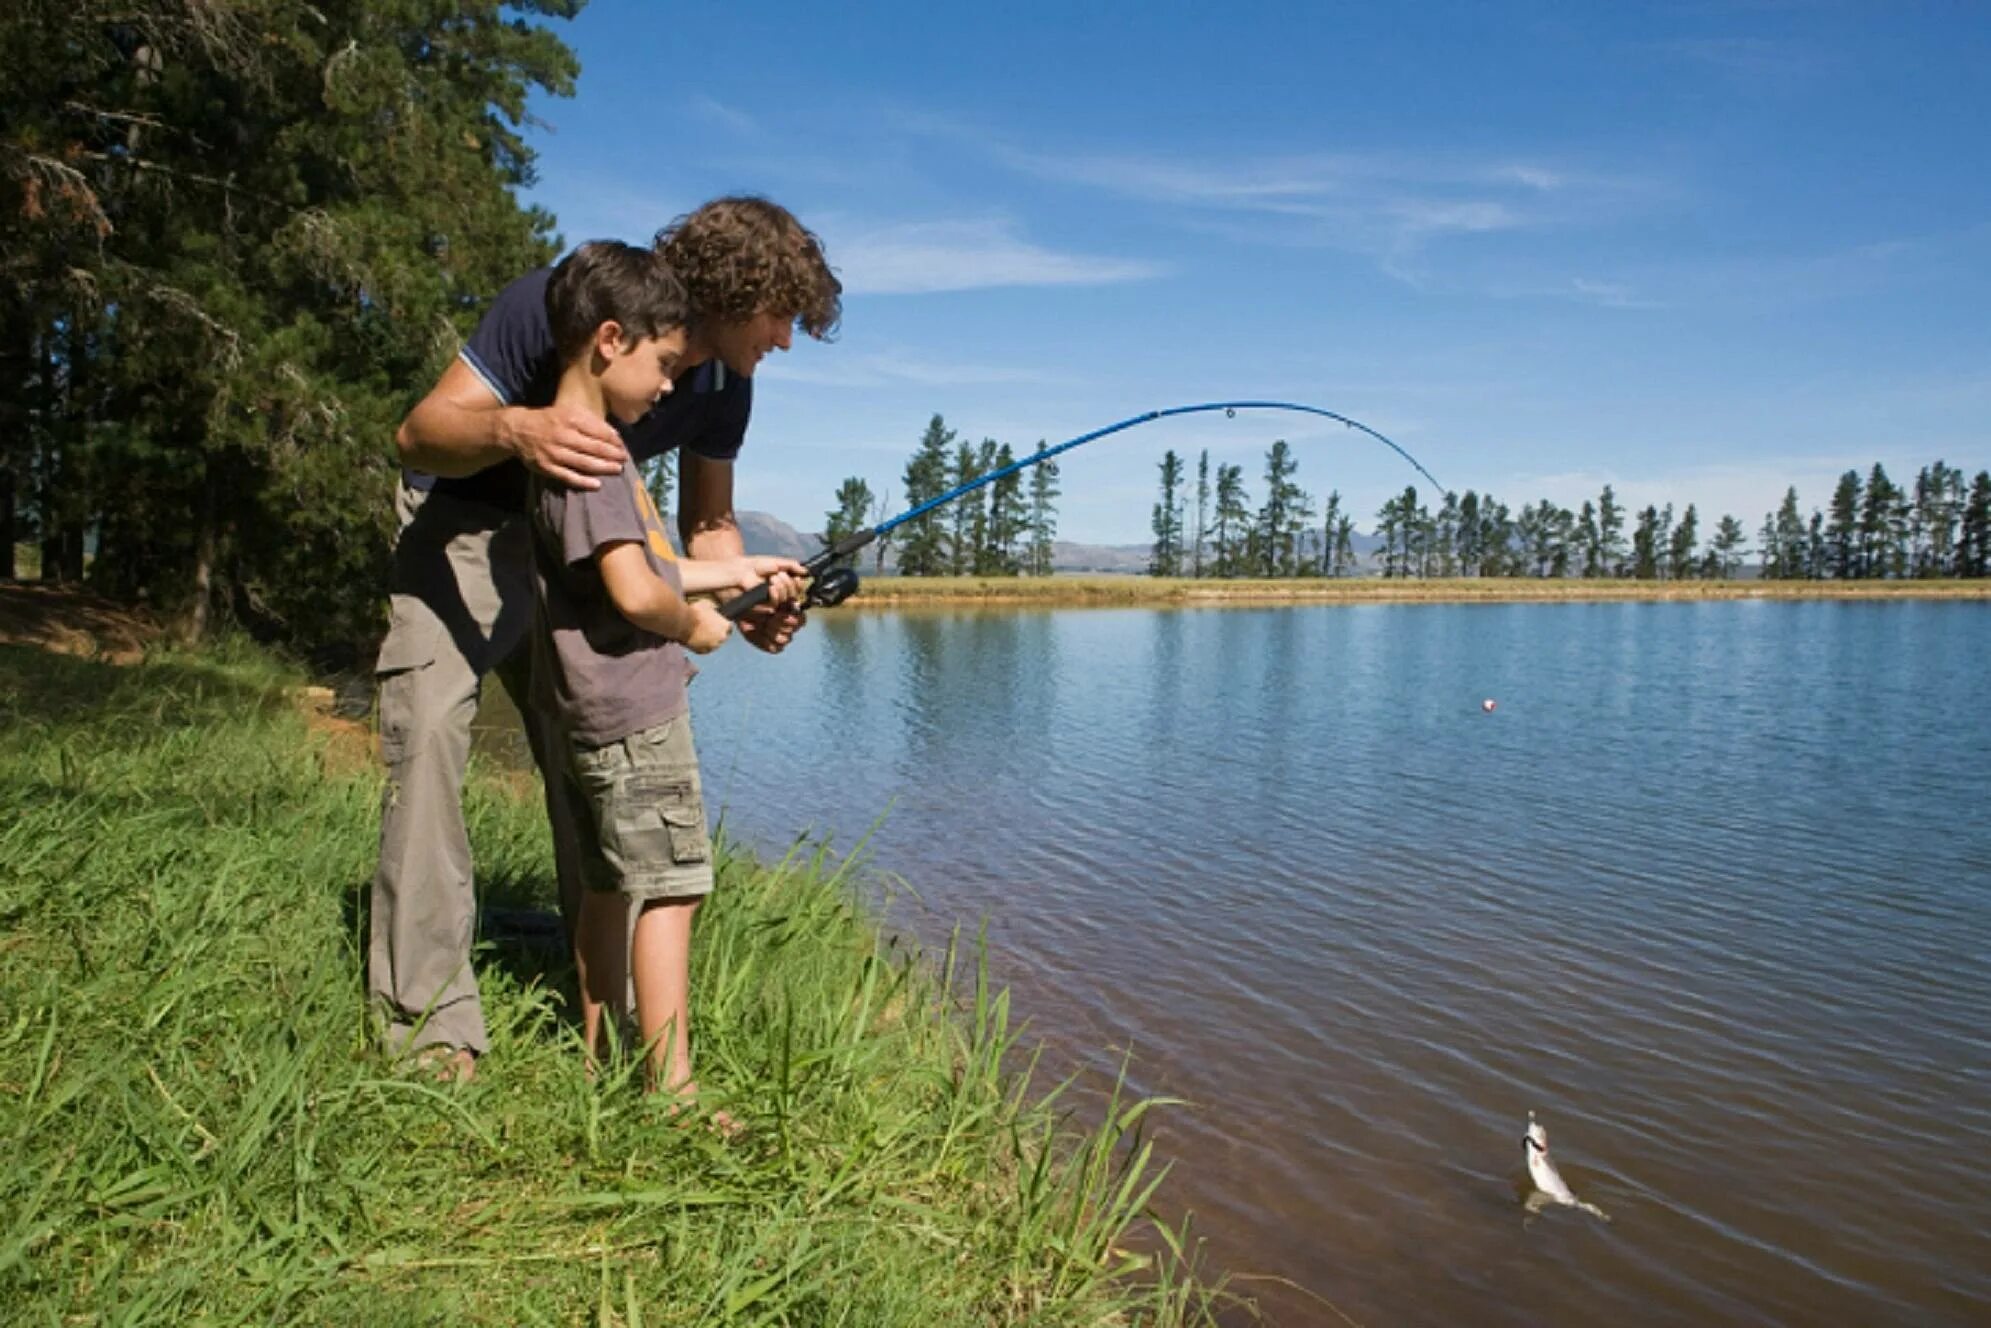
<point>831,583</point>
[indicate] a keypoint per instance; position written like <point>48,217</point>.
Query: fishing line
<point>832,584</point>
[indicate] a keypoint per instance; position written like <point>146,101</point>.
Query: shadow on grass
<point>38,686</point>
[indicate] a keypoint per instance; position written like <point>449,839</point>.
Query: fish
<point>1550,1187</point>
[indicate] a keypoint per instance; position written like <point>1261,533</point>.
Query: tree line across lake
<point>1873,528</point>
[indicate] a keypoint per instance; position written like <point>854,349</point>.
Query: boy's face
<point>741,345</point>
<point>636,374</point>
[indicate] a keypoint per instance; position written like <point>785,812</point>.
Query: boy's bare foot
<point>684,1109</point>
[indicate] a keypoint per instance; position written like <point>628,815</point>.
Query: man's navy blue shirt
<point>512,351</point>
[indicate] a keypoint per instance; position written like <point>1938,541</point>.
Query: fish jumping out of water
<point>1550,1187</point>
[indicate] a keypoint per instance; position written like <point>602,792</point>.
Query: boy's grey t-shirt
<point>602,676</point>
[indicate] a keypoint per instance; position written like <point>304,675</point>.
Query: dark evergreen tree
<point>1645,545</point>
<point>1589,541</point>
<point>853,504</point>
<point>1043,522</point>
<point>1842,532</point>
<point>1233,521</point>
<point>1973,544</point>
<point>1681,545</point>
<point>1610,533</point>
<point>1008,520</point>
<point>923,541</point>
<point>1726,547</point>
<point>967,515</point>
<point>1165,558</point>
<point>1286,512</point>
<point>1202,533</point>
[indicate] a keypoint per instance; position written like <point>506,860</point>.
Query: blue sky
<point>1699,251</point>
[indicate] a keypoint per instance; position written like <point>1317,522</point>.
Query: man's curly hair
<point>743,256</point>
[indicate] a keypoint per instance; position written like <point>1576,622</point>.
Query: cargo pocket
<point>413,641</point>
<point>684,820</point>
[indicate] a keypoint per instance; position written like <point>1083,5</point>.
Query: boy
<point>609,666</point>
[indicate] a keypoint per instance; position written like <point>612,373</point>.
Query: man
<point>462,588</point>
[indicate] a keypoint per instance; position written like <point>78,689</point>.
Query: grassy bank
<point>890,592</point>
<point>196,1128</point>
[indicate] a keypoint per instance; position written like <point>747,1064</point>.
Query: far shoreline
<point>895,592</point>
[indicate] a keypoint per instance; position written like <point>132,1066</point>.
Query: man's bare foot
<point>446,1064</point>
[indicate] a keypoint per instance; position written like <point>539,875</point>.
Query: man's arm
<point>709,530</point>
<point>705,508</point>
<point>461,427</point>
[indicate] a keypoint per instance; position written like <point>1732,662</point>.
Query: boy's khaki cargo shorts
<point>641,814</point>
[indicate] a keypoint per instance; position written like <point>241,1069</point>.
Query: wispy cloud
<point>714,111</point>
<point>1390,206</point>
<point>891,368</point>
<point>917,258</point>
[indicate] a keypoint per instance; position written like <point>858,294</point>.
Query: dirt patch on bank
<point>67,620</point>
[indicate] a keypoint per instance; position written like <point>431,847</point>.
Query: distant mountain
<point>769,534</point>
<point>764,533</point>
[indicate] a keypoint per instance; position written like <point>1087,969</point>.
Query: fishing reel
<point>830,587</point>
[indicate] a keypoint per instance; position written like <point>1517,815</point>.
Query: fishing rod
<point>831,584</point>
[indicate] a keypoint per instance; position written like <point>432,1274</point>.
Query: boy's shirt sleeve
<point>513,344</point>
<point>585,521</point>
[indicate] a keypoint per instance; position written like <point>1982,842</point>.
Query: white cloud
<point>873,369</point>
<point>714,111</point>
<point>917,258</point>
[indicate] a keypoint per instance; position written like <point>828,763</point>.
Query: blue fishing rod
<point>831,583</point>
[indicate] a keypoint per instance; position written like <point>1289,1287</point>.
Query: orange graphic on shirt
<point>653,524</point>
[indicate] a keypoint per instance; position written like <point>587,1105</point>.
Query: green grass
<point>198,1129</point>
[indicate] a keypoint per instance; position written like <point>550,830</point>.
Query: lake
<point>1709,890</point>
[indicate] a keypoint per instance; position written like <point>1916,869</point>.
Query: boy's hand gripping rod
<point>830,584</point>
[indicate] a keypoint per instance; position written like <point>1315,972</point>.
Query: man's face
<point>740,345</point>
<point>638,373</point>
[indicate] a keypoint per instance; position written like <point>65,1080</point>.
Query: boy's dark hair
<point>741,256</point>
<point>607,280</point>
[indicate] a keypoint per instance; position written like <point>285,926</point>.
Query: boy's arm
<point>647,600</point>
<point>460,428</point>
<point>709,575</point>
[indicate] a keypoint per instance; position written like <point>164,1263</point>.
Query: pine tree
<point>1166,556</point>
<point>1445,536</point>
<point>968,514</point>
<point>923,540</point>
<point>1008,521</point>
<point>1589,541</point>
<point>1496,539</point>
<point>853,503</point>
<point>1233,519</point>
<point>1202,532</point>
<point>1043,522</point>
<point>1610,533</point>
<point>1726,548</point>
<point>1973,545</point>
<point>1469,535</point>
<point>1877,544</point>
<point>1680,547</point>
<point>1842,533</point>
<point>1331,557</point>
<point>1645,545</point>
<point>1286,512</point>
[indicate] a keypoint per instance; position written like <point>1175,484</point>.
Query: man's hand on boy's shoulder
<point>564,443</point>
